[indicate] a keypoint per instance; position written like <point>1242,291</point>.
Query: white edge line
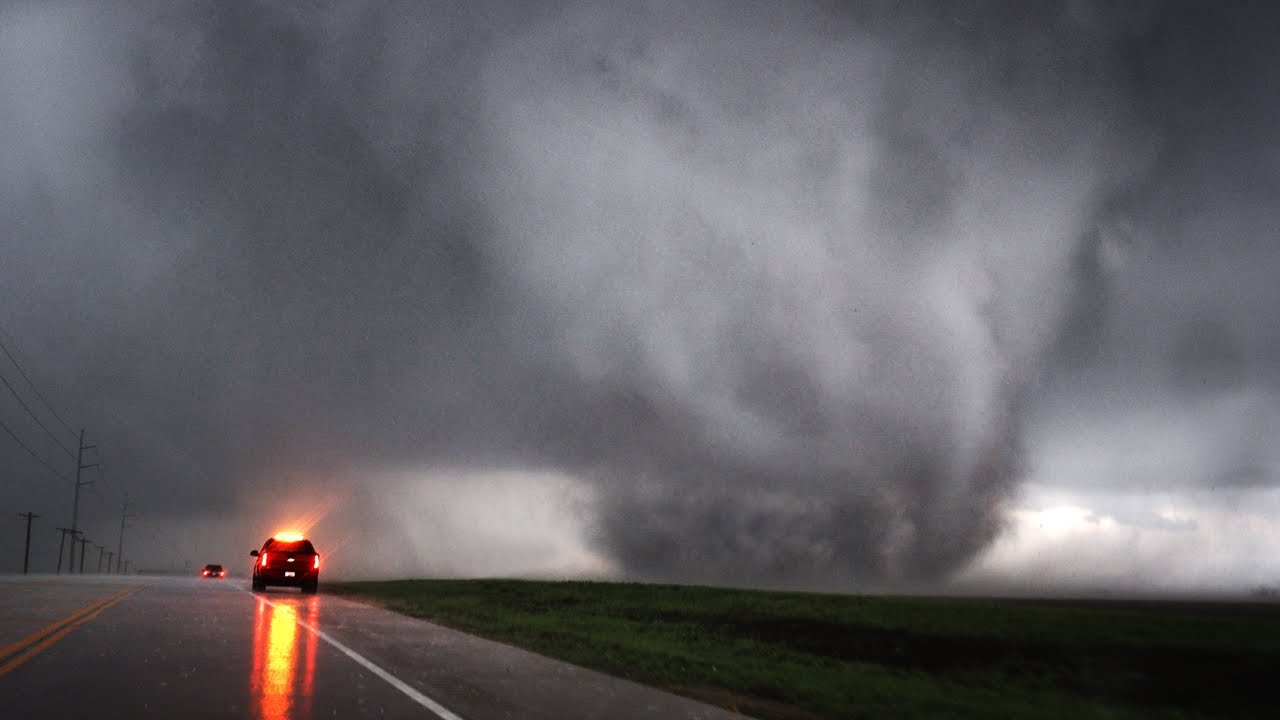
<point>395,682</point>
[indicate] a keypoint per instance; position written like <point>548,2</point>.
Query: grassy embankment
<point>801,655</point>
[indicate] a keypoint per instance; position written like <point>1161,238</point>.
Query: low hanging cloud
<point>828,267</point>
<point>780,285</point>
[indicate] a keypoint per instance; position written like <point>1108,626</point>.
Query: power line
<point>18,397</point>
<point>124,516</point>
<point>38,459</point>
<point>26,550</point>
<point>75,506</point>
<point>32,385</point>
<point>61,544</point>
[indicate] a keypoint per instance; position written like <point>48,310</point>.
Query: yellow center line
<point>10,648</point>
<point>15,653</point>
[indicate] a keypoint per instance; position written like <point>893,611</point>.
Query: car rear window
<point>293,546</point>
<point>212,567</point>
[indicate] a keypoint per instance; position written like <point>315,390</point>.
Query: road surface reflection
<point>281,682</point>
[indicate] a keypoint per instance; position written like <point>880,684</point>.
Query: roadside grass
<point>788,656</point>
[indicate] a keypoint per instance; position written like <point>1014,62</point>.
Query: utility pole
<point>124,515</point>
<point>26,551</point>
<point>71,549</point>
<point>83,541</point>
<point>61,544</point>
<point>100,549</point>
<point>75,504</point>
<point>126,567</point>
<point>110,554</point>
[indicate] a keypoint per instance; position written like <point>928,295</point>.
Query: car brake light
<point>204,572</point>
<point>263,560</point>
<point>316,564</point>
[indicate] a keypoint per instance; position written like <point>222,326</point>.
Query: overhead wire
<point>24,405</point>
<point>31,384</point>
<point>32,453</point>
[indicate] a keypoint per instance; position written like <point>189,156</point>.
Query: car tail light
<point>222,574</point>
<point>316,564</point>
<point>204,572</point>
<point>263,560</point>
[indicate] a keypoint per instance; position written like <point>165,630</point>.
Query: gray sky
<point>826,295</point>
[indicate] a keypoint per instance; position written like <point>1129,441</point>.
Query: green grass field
<point>803,655</point>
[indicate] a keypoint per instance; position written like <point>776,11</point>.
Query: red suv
<point>286,560</point>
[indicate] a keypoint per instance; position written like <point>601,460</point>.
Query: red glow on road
<point>282,680</point>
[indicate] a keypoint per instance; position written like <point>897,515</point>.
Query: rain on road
<point>114,647</point>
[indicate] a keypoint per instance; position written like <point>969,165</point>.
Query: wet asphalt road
<point>104,647</point>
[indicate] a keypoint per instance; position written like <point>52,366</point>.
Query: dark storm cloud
<point>1182,343</point>
<point>818,258</point>
<point>777,281</point>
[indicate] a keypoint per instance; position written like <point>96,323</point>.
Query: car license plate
<point>289,573</point>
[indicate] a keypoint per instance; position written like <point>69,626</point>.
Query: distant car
<point>213,571</point>
<point>286,559</point>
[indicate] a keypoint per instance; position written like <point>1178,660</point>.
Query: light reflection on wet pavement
<point>282,681</point>
<point>177,647</point>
